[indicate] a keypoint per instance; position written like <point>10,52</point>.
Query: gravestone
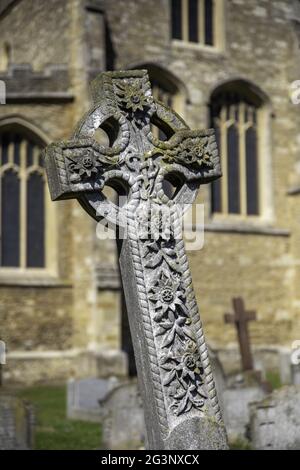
<point>83,396</point>
<point>175,378</point>
<point>296,374</point>
<point>285,366</point>
<point>289,367</point>
<point>16,424</point>
<point>237,398</point>
<point>122,418</point>
<point>113,403</point>
<point>275,421</point>
<point>2,360</point>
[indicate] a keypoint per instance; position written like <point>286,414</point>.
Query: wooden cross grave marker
<point>240,318</point>
<point>175,378</point>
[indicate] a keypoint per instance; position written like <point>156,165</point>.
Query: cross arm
<point>76,166</point>
<point>229,318</point>
<point>250,315</point>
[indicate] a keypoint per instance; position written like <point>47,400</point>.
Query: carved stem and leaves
<point>181,369</point>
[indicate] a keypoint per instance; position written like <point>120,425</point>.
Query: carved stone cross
<point>240,318</point>
<point>175,377</point>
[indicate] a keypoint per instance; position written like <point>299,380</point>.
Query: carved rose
<point>191,364</point>
<point>190,361</point>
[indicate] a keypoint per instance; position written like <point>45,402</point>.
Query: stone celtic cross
<point>175,377</point>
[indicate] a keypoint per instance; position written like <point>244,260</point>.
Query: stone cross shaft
<point>240,318</point>
<point>175,377</point>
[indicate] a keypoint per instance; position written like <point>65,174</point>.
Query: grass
<point>240,444</point>
<point>273,377</point>
<point>53,430</point>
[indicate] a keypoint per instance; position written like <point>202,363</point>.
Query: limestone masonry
<point>66,319</point>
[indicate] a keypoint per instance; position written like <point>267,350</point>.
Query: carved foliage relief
<point>179,359</point>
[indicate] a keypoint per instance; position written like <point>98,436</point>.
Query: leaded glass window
<point>195,20</point>
<point>22,194</point>
<point>234,117</point>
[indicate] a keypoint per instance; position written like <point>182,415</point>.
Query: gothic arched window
<point>235,115</point>
<point>167,89</point>
<point>22,200</point>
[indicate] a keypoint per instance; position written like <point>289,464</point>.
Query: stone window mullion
<point>185,20</point>
<point>242,154</point>
<point>11,153</point>
<point>198,22</point>
<point>201,22</point>
<point>23,206</point>
<point>224,124</point>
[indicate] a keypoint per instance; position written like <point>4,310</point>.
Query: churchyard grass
<point>273,377</point>
<point>53,430</point>
<point>240,444</point>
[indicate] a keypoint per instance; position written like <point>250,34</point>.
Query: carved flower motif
<point>183,377</point>
<point>191,364</point>
<point>167,295</point>
<point>192,152</point>
<point>132,96</point>
<point>84,167</point>
<point>187,366</point>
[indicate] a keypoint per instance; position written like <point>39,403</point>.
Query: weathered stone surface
<point>23,84</point>
<point>122,418</point>
<point>285,366</point>
<point>25,367</point>
<point>289,372</point>
<point>83,397</point>
<point>16,424</point>
<point>236,393</point>
<point>174,372</point>
<point>275,421</point>
<point>296,374</point>
<point>236,410</point>
<point>219,376</point>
